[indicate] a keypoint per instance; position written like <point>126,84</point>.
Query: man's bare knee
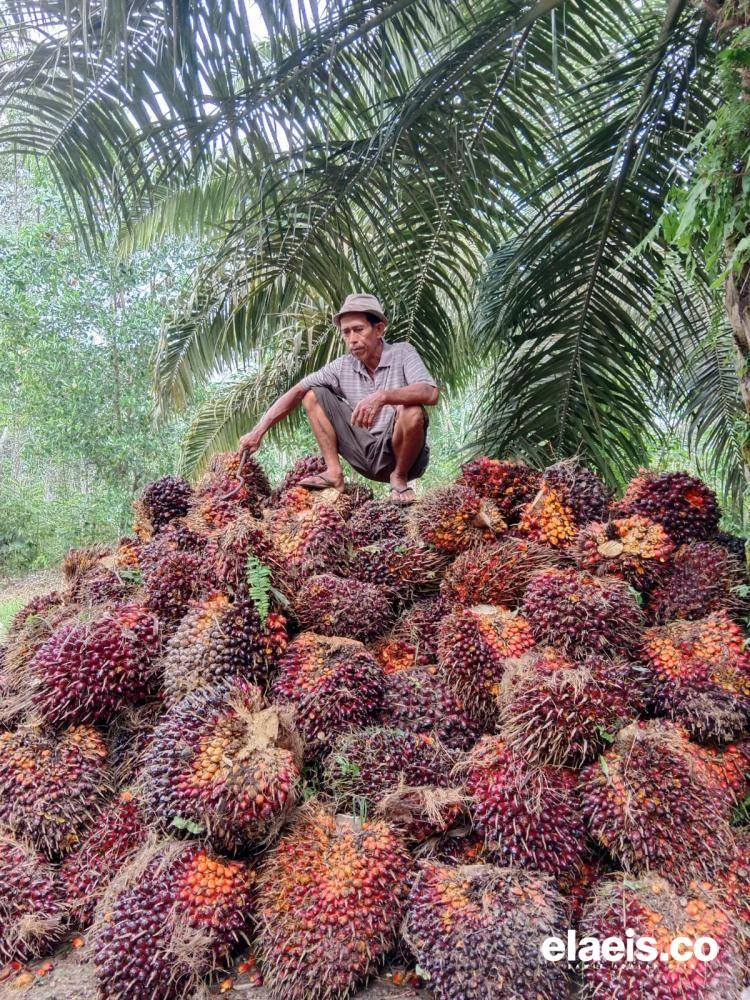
<point>410,417</point>
<point>310,400</point>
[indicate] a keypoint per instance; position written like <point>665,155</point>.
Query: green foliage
<point>258,577</point>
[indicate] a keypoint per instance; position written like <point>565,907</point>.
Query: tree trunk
<point>737,299</point>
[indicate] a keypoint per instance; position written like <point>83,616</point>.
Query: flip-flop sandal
<point>319,482</point>
<point>397,492</point>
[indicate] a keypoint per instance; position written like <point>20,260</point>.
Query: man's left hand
<point>366,411</point>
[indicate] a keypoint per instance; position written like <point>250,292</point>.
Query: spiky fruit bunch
<point>221,764</point>
<point>682,503</point>
<point>648,785</point>
<point>37,606</point>
<point>569,497</point>
<point>307,465</point>
<point>463,925</point>
<point>578,885</point>
<point>733,882</point>
<point>652,908</point>
<point>735,545</point>
<point>229,549</point>
<point>403,568</point>
<point>119,831</point>
<point>105,587</point>
<point>461,846</point>
<point>581,614</point>
<point>24,640</point>
<point>32,907</point>
<point>715,715</point>
<point>127,554</point>
<point>474,646</point>
<point>221,638</point>
<point>79,563</point>
<point>128,736</point>
<point>300,499</point>
<point>171,583</point>
<point>180,913</point>
<point>509,484</point>
<point>307,539</point>
<point>729,766</point>
<point>338,606</point>
<point>237,468</point>
<point>331,898</point>
<point>702,578</point>
<point>455,518</point>
<point>634,548</point>
<point>413,640</point>
<point>52,787</point>
<point>159,503</point>
<point>496,573</point>
<point>88,670</point>
<point>334,684</point>
<point>558,711</point>
<point>421,702</point>
<point>530,817</point>
<point>376,521</point>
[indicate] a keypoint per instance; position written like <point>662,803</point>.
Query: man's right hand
<point>250,442</point>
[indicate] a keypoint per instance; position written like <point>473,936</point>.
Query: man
<point>366,406</point>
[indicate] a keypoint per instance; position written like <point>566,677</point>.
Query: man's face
<point>360,335</point>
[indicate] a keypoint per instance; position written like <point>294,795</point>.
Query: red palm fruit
<point>421,702</point>
<point>172,917</point>
<point>335,606</point>
<point>461,846</point>
<point>530,817</point>
<point>32,907</point>
<point>171,583</point>
<point>581,614</point>
<point>127,554</point>
<point>80,563</point>
<point>703,577</point>
<point>653,908</point>
<point>496,573</point>
<point>331,898</point>
<point>106,587</point>
<point>413,640</point>
<point>118,832</point>
<point>128,736</point>
<point>376,521</point>
<point>463,926</point>
<point>569,497</point>
<point>159,503</point>
<point>509,484</point>
<point>634,548</point>
<point>729,766</point>
<point>299,499</point>
<point>683,504</point>
<point>558,711</point>
<point>221,764</point>
<point>307,539</point>
<point>334,684</point>
<point>37,606</point>
<point>474,646</point>
<point>307,465</point>
<point>220,638</point>
<point>712,715</point>
<point>52,787</point>
<point>228,550</point>
<point>454,518</point>
<point>245,471</point>
<point>646,786</point>
<point>403,568</point>
<point>579,885</point>
<point>733,883</point>
<point>88,670</point>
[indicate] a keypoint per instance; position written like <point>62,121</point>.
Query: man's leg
<point>325,435</point>
<point>407,442</point>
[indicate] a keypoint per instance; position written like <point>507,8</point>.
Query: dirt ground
<point>29,585</point>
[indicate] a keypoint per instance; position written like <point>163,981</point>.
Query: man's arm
<point>283,406</point>
<point>419,394</point>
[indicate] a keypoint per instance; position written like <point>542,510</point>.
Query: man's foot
<point>321,482</point>
<point>402,496</point>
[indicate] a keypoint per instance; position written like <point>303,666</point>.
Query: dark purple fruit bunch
<point>496,573</point>
<point>420,701</point>
<point>703,577</point>
<point>171,582</point>
<point>509,484</point>
<point>335,606</point>
<point>376,521</point>
<point>682,503</point>
<point>32,907</point>
<point>160,502</point>
<point>402,568</point>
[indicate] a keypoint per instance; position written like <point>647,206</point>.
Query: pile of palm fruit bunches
<point>334,735</point>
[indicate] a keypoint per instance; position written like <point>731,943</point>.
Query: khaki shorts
<point>369,454</point>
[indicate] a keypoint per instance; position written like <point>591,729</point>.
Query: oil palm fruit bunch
<point>683,504</point>
<point>173,916</point>
<point>733,884</point>
<point>376,521</point>
<point>307,538</point>
<point>159,503</point>
<point>728,766</point>
<point>171,582</point>
<point>455,518</point>
<point>127,554</point>
<point>89,669</point>
<point>33,914</point>
<point>225,492</point>
<point>338,606</point>
<point>652,907</point>
<point>229,549</point>
<point>106,587</point>
<point>569,497</point>
<point>578,885</point>
<point>701,674</point>
<point>117,834</point>
<point>581,614</point>
<point>127,736</point>
<point>510,485</point>
<point>223,765</point>
<point>403,568</point>
<point>334,684</point>
<point>464,926</point>
<point>307,465</point>
<point>635,548</point>
<point>474,646</point>
<point>330,901</point>
<point>703,577</point>
<point>530,817</point>
<point>82,562</point>
<point>496,572</point>
<point>52,787</point>
<point>647,785</point>
<point>237,468</point>
<point>413,639</point>
<point>36,607</point>
<point>221,638</point>
<point>420,701</point>
<point>29,630</point>
<point>559,711</point>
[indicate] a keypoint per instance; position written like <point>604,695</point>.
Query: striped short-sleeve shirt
<point>400,365</point>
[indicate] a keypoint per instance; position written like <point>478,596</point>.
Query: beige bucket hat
<point>361,302</point>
